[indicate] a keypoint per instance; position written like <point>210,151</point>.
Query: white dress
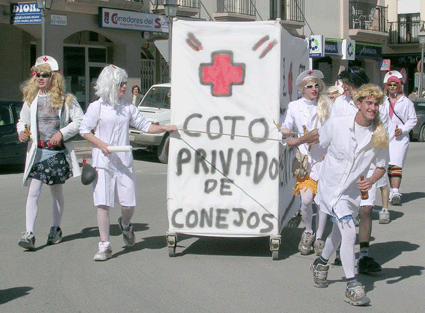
<point>111,125</point>
<point>405,109</point>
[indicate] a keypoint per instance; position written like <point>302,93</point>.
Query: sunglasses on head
<point>311,86</point>
<point>121,84</point>
<point>44,75</point>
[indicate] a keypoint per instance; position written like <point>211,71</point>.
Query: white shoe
<point>384,217</point>
<point>128,234</point>
<point>105,251</point>
<point>395,198</point>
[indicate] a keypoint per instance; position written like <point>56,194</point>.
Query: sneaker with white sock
<point>306,243</point>
<point>320,275</point>
<point>384,217</point>
<point>128,234</point>
<point>355,294</point>
<point>55,235</point>
<point>105,251</point>
<point>395,198</point>
<point>27,240</point>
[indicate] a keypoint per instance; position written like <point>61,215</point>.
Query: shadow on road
<point>411,196</point>
<point>145,155</point>
<point>11,169</point>
<point>10,294</point>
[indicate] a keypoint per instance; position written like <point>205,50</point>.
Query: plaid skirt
<point>53,171</point>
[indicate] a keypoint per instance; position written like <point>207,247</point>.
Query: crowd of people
<point>352,137</point>
<point>365,137</point>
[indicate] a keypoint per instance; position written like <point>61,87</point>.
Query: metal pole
<point>421,81</point>
<point>170,37</point>
<point>43,31</point>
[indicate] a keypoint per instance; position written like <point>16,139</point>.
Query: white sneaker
<point>105,251</point>
<point>319,245</point>
<point>384,217</point>
<point>395,198</point>
<point>306,243</point>
<point>128,234</point>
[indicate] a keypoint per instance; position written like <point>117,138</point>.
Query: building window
<point>408,27</point>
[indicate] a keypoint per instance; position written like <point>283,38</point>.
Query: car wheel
<point>422,134</point>
<point>163,149</point>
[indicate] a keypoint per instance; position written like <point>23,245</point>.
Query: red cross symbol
<point>45,59</point>
<point>389,73</point>
<point>309,73</point>
<point>221,74</point>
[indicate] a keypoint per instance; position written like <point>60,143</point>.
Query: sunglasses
<point>392,85</point>
<point>311,86</point>
<point>121,84</point>
<point>44,75</point>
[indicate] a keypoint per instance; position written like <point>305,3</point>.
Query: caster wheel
<point>171,252</point>
<point>275,255</point>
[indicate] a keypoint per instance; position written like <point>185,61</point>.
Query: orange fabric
<point>306,182</point>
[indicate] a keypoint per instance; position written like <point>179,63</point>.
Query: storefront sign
<point>111,18</point>
<point>58,20</point>
<point>368,51</point>
<point>333,47</point>
<point>348,49</point>
<point>385,65</point>
<point>25,13</point>
<point>317,46</point>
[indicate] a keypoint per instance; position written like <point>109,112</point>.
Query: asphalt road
<point>207,274</point>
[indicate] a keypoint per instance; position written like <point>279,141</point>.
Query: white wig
<point>106,84</point>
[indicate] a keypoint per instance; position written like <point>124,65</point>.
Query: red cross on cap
<point>45,59</point>
<point>309,73</point>
<point>389,73</point>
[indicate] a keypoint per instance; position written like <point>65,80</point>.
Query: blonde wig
<point>107,82</point>
<point>324,104</point>
<point>333,91</point>
<point>380,136</point>
<point>56,92</point>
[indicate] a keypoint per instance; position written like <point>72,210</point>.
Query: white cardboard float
<point>230,82</point>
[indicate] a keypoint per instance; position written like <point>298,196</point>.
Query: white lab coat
<point>304,112</point>
<point>399,145</point>
<point>70,119</point>
<point>111,125</point>
<point>342,168</point>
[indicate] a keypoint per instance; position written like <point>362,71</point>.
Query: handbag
<point>88,174</point>
<point>300,165</point>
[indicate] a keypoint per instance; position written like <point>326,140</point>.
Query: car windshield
<point>6,115</point>
<point>157,97</point>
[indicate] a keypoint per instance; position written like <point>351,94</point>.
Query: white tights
<point>343,233</point>
<point>31,210</point>
<point>307,213</point>
<point>103,219</point>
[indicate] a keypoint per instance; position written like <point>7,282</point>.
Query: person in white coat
<point>354,142</point>
<point>402,120</point>
<point>106,123</point>
<point>49,117</point>
<point>309,112</point>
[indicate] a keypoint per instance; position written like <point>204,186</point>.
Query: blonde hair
<point>379,136</point>
<point>56,92</point>
<point>324,104</point>
<point>333,91</point>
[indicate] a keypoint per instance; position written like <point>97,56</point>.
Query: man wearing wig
<point>402,120</point>
<point>109,118</point>
<point>353,143</point>
<point>311,111</point>
<point>352,79</point>
<point>48,118</point>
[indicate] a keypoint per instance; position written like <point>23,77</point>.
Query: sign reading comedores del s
<point>119,19</point>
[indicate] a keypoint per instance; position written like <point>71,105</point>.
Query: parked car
<point>12,151</point>
<point>418,132</point>
<point>155,106</point>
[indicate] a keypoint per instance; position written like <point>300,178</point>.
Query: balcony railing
<point>367,16</point>
<point>244,7</point>
<point>182,3</point>
<point>405,32</point>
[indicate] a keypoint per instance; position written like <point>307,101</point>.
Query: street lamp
<point>170,7</point>
<point>421,37</point>
<point>44,6</point>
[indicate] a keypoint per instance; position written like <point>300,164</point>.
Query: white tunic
<point>399,145</point>
<point>70,118</point>
<point>343,165</point>
<point>304,112</point>
<point>111,125</point>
